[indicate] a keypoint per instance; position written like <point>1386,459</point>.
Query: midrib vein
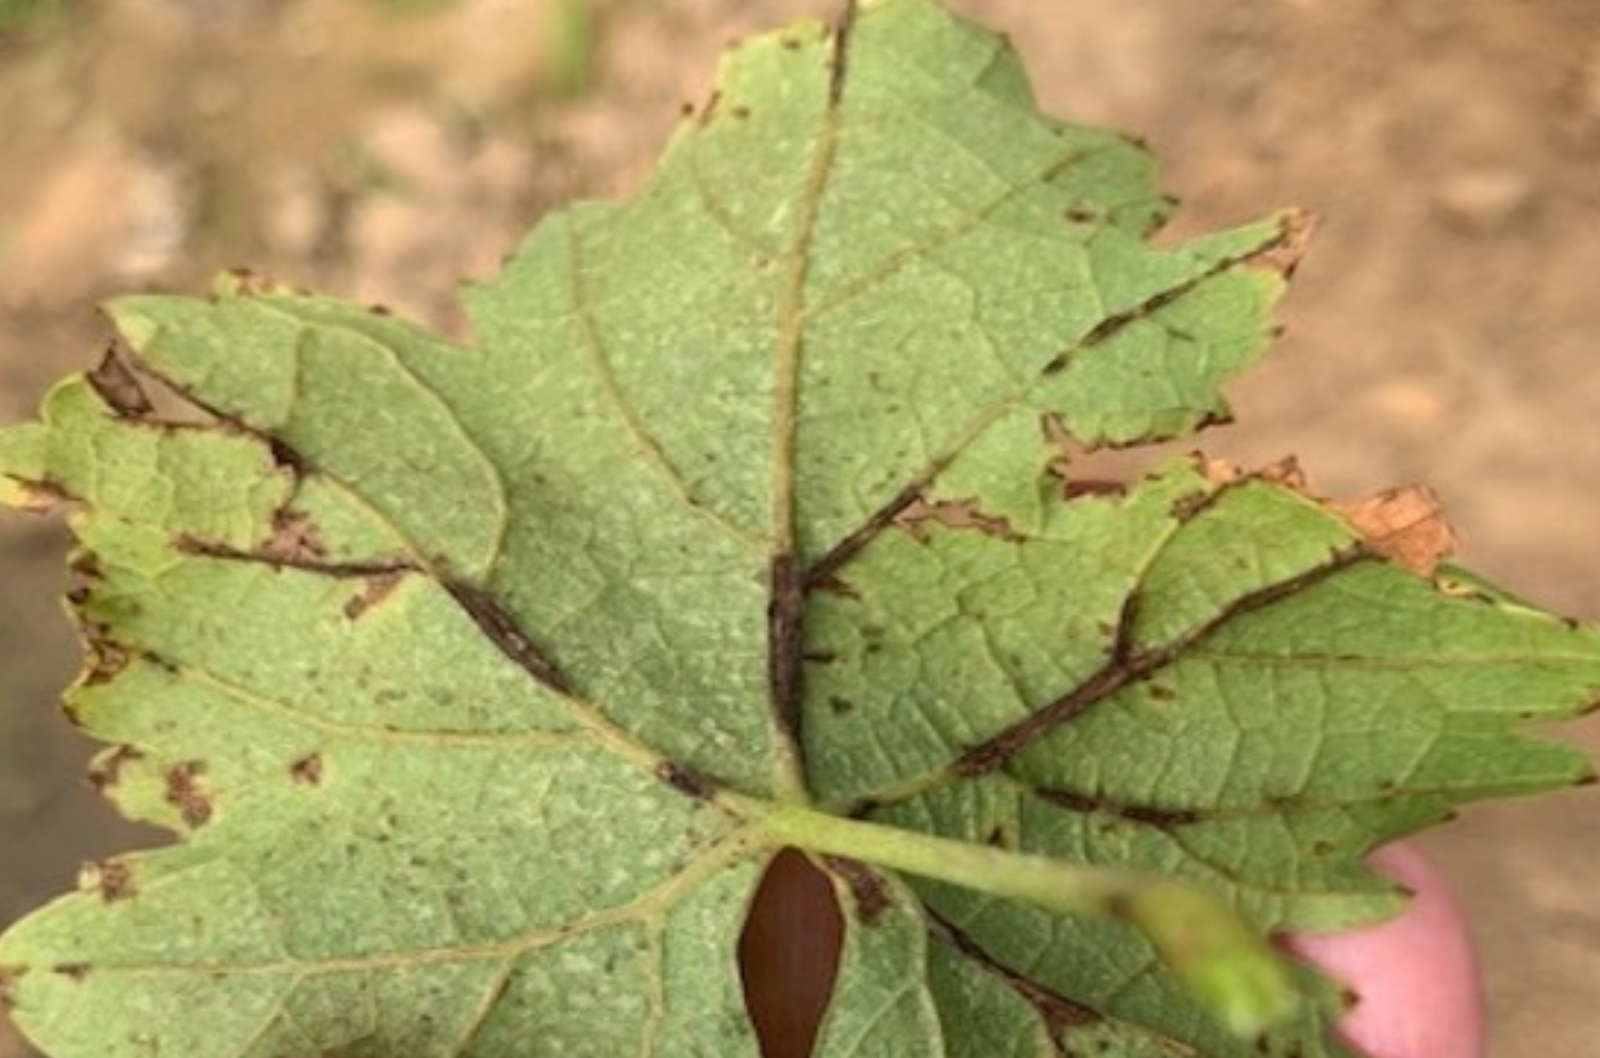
<point>786,575</point>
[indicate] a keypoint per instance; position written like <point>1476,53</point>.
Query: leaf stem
<point>1231,968</point>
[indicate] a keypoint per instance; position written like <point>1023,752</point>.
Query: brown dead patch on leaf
<point>1221,475</point>
<point>1288,473</point>
<point>868,892</point>
<point>85,571</point>
<point>1285,252</point>
<point>295,539</point>
<point>833,584</point>
<point>920,514</point>
<point>119,387</point>
<point>686,780</point>
<point>1163,818</point>
<point>1057,1011</point>
<point>1067,460</point>
<point>112,879</point>
<point>106,770</point>
<point>1216,471</point>
<point>185,792</point>
<point>10,977</point>
<point>1065,449</point>
<point>244,282</point>
<point>41,497</point>
<point>105,660</point>
<point>376,588</point>
<point>307,770</point>
<point>73,971</point>
<point>1405,525</point>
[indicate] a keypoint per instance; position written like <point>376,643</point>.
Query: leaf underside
<point>459,668</point>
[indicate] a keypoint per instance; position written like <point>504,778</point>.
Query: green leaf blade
<point>482,680</point>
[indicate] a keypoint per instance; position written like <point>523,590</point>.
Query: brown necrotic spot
<point>998,838</point>
<point>834,585</point>
<point>1056,1010</point>
<point>295,539</point>
<point>41,497</point>
<point>106,771</point>
<point>104,661</point>
<point>921,514</point>
<point>868,891</point>
<point>375,590</point>
<point>1150,815</point>
<point>73,971</point>
<point>10,976</point>
<point>685,780</point>
<point>185,792</point>
<point>307,770</point>
<point>117,385</point>
<point>113,880</point>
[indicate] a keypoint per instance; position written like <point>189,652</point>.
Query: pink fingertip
<point>1416,976</point>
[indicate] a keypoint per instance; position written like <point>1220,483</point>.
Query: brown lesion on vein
<point>786,577</point>
<point>1127,664</point>
<point>1277,254</point>
<point>1280,254</point>
<point>498,625</point>
<point>1059,1013</point>
<point>296,544</point>
<point>1158,816</point>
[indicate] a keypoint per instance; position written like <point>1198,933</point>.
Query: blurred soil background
<point>1445,328</point>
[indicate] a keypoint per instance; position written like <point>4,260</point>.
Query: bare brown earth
<point>1445,328</point>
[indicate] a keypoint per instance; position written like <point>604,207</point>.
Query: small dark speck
<point>115,881</point>
<point>307,770</point>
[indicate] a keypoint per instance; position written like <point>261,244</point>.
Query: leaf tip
<point>129,316</point>
<point>1284,253</point>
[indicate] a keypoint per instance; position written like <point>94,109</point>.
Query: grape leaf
<point>483,681</point>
